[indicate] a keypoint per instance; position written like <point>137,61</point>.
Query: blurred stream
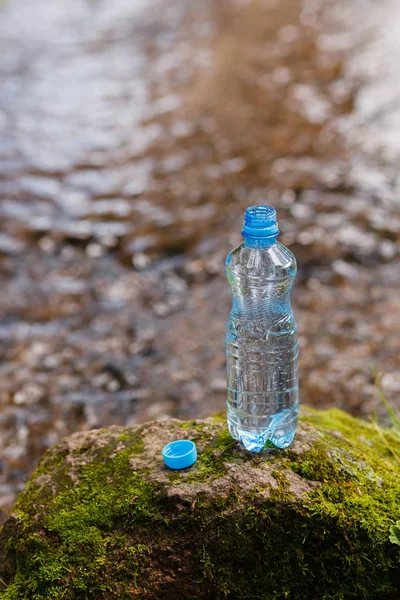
<point>133,134</point>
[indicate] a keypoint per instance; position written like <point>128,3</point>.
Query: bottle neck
<point>250,242</point>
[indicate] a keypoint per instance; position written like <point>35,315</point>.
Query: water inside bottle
<point>261,340</point>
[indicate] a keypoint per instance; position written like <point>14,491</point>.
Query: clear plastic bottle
<point>261,339</point>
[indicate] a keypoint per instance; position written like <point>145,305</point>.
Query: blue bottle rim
<point>260,222</point>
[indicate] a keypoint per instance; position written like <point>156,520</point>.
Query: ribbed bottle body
<point>262,347</point>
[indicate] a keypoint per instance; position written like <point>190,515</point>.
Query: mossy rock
<point>103,518</point>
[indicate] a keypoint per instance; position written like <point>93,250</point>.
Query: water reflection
<point>133,135</point>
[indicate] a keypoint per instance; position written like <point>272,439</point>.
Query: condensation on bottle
<point>261,339</point>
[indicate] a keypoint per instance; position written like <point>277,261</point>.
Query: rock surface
<point>103,518</point>
<point>133,135</point>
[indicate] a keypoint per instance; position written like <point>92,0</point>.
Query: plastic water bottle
<point>261,340</point>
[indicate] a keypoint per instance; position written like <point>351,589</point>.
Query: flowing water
<point>126,130</point>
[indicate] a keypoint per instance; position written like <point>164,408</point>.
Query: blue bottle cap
<point>180,454</point>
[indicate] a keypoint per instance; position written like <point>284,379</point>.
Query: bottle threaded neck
<point>260,223</point>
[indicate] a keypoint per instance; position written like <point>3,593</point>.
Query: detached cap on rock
<point>180,454</point>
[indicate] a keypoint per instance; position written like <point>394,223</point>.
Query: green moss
<point>194,425</point>
<point>211,463</point>
<point>348,431</point>
<point>219,417</point>
<point>212,460</point>
<point>98,521</point>
<point>77,533</point>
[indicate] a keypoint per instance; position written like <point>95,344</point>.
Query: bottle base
<point>279,434</point>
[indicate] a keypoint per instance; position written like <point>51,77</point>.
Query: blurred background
<point>133,134</point>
